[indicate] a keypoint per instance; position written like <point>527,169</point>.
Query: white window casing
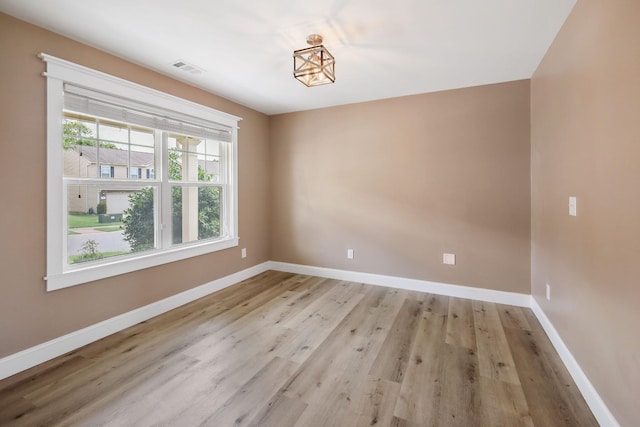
<point>92,92</point>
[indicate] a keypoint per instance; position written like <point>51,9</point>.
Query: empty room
<point>341,213</point>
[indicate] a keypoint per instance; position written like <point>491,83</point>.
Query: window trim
<point>60,72</point>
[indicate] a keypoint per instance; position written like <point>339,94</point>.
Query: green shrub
<point>89,251</point>
<point>102,208</point>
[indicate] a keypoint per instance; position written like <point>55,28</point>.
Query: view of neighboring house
<point>82,161</point>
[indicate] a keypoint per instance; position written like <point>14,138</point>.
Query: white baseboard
<point>480,294</point>
<point>591,396</point>
<point>33,356</point>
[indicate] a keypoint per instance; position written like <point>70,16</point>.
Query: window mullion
<point>98,155</point>
<point>225,199</point>
<point>130,166</point>
<point>165,222</point>
<point>229,171</point>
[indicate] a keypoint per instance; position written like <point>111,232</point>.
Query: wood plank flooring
<point>283,350</point>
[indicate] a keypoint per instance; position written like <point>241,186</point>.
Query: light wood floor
<point>282,350</point>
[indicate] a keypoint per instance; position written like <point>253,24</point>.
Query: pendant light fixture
<point>314,66</point>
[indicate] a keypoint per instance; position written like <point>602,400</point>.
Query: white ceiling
<point>383,48</point>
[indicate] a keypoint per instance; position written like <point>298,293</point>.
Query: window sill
<point>89,273</point>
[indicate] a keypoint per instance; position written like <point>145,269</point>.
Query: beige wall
<point>28,314</point>
<point>403,180</point>
<point>586,143</point>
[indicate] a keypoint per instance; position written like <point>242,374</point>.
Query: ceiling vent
<point>188,68</point>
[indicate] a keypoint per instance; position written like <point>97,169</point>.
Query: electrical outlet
<point>449,259</point>
<point>548,292</point>
<point>349,253</point>
<point>244,252</point>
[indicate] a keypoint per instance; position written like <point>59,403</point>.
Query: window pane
<point>195,213</point>
<point>106,222</point>
<point>173,142</point>
<point>206,146</point>
<point>142,159</point>
<point>189,166</point>
<point>212,147</point>
<point>140,136</point>
<point>175,165</point>
<point>185,164</point>
<point>113,155</point>
<point>79,161</point>
<point>208,168</point>
<point>77,132</point>
<point>78,142</point>
<point>117,157</point>
<point>114,147</point>
<point>111,131</point>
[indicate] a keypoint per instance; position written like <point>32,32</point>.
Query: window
<point>135,173</point>
<point>107,171</point>
<point>135,179</point>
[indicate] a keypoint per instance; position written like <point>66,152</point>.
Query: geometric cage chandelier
<point>314,66</point>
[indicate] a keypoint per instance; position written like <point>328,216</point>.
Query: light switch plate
<point>449,259</point>
<point>573,206</point>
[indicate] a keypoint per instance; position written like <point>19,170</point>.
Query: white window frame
<point>60,72</point>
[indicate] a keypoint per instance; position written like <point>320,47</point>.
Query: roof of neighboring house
<point>113,156</point>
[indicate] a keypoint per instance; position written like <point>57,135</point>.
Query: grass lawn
<point>109,228</point>
<point>81,258</point>
<point>86,220</point>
